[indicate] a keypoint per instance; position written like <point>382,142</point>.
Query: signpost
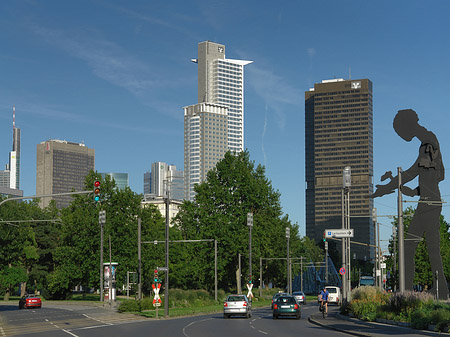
<point>339,233</point>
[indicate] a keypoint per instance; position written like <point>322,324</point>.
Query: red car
<point>30,301</point>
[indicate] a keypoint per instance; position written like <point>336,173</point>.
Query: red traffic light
<point>97,191</point>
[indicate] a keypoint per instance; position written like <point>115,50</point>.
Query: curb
<point>395,325</point>
<point>354,333</point>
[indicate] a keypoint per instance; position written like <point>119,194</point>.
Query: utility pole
<point>260,277</point>
<point>401,237</point>
<point>380,278</point>
<point>288,235</point>
<point>101,221</point>
<point>139,261</point>
<point>346,184</point>
<point>239,283</point>
<point>166,287</point>
<point>394,233</point>
<point>250,226</point>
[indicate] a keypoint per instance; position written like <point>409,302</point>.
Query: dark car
<point>300,297</point>
<point>30,301</point>
<point>275,297</point>
<point>286,306</point>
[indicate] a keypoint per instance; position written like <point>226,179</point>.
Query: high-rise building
<point>10,177</point>
<point>339,133</point>
<point>220,105</point>
<point>154,181</point>
<point>121,179</point>
<point>60,167</point>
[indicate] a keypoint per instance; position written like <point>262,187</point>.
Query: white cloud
<point>275,92</point>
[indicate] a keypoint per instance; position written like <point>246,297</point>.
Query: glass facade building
<point>220,97</point>
<point>121,179</point>
<point>339,133</point>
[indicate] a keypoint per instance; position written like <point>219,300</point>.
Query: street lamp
<point>346,184</point>
<point>288,235</point>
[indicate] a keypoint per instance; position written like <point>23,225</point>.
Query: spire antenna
<point>14,117</point>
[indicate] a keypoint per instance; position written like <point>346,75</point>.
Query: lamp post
<point>346,184</point>
<point>288,235</point>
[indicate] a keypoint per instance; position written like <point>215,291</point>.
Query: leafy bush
<point>129,306</point>
<point>366,301</point>
<point>420,319</point>
<point>409,301</point>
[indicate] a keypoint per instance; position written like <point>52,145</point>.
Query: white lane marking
<point>97,320</point>
<point>187,326</point>
<point>265,333</point>
<point>70,333</point>
<point>93,327</point>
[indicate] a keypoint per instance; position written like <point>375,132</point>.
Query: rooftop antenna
<point>350,72</point>
<point>14,117</point>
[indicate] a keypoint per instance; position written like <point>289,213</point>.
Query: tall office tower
<point>339,133</point>
<point>154,181</point>
<point>15,155</point>
<point>220,85</point>
<point>10,177</point>
<point>221,81</point>
<point>205,142</point>
<point>121,179</point>
<point>60,167</point>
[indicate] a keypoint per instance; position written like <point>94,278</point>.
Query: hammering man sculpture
<point>430,171</point>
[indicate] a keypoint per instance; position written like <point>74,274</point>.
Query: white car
<point>335,294</point>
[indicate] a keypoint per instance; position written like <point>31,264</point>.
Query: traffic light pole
<point>166,287</point>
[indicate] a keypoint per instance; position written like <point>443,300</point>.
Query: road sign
<point>383,265</point>
<point>162,268</point>
<point>249,219</point>
<point>339,233</point>
<point>156,299</point>
<point>342,271</point>
<point>249,287</point>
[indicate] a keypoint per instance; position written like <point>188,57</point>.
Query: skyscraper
<point>10,177</point>
<point>60,167</point>
<point>121,179</point>
<point>339,133</point>
<point>161,172</point>
<point>216,124</point>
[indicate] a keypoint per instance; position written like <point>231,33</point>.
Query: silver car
<point>300,297</point>
<point>238,305</point>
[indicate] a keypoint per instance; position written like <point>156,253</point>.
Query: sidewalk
<point>357,327</point>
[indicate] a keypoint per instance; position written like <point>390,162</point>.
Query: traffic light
<point>97,191</point>
<point>324,238</point>
<point>250,279</point>
<point>155,276</point>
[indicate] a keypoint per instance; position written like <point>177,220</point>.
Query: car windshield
<point>287,300</point>
<point>235,298</point>
<point>332,290</point>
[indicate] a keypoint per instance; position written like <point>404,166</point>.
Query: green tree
<point>423,274</point>
<point>232,189</point>
<point>77,256</point>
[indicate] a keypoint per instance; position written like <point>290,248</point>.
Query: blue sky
<point>116,74</point>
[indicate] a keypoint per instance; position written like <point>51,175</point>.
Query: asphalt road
<point>85,321</point>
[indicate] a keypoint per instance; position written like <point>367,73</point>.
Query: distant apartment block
<point>62,166</point>
<point>339,133</point>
